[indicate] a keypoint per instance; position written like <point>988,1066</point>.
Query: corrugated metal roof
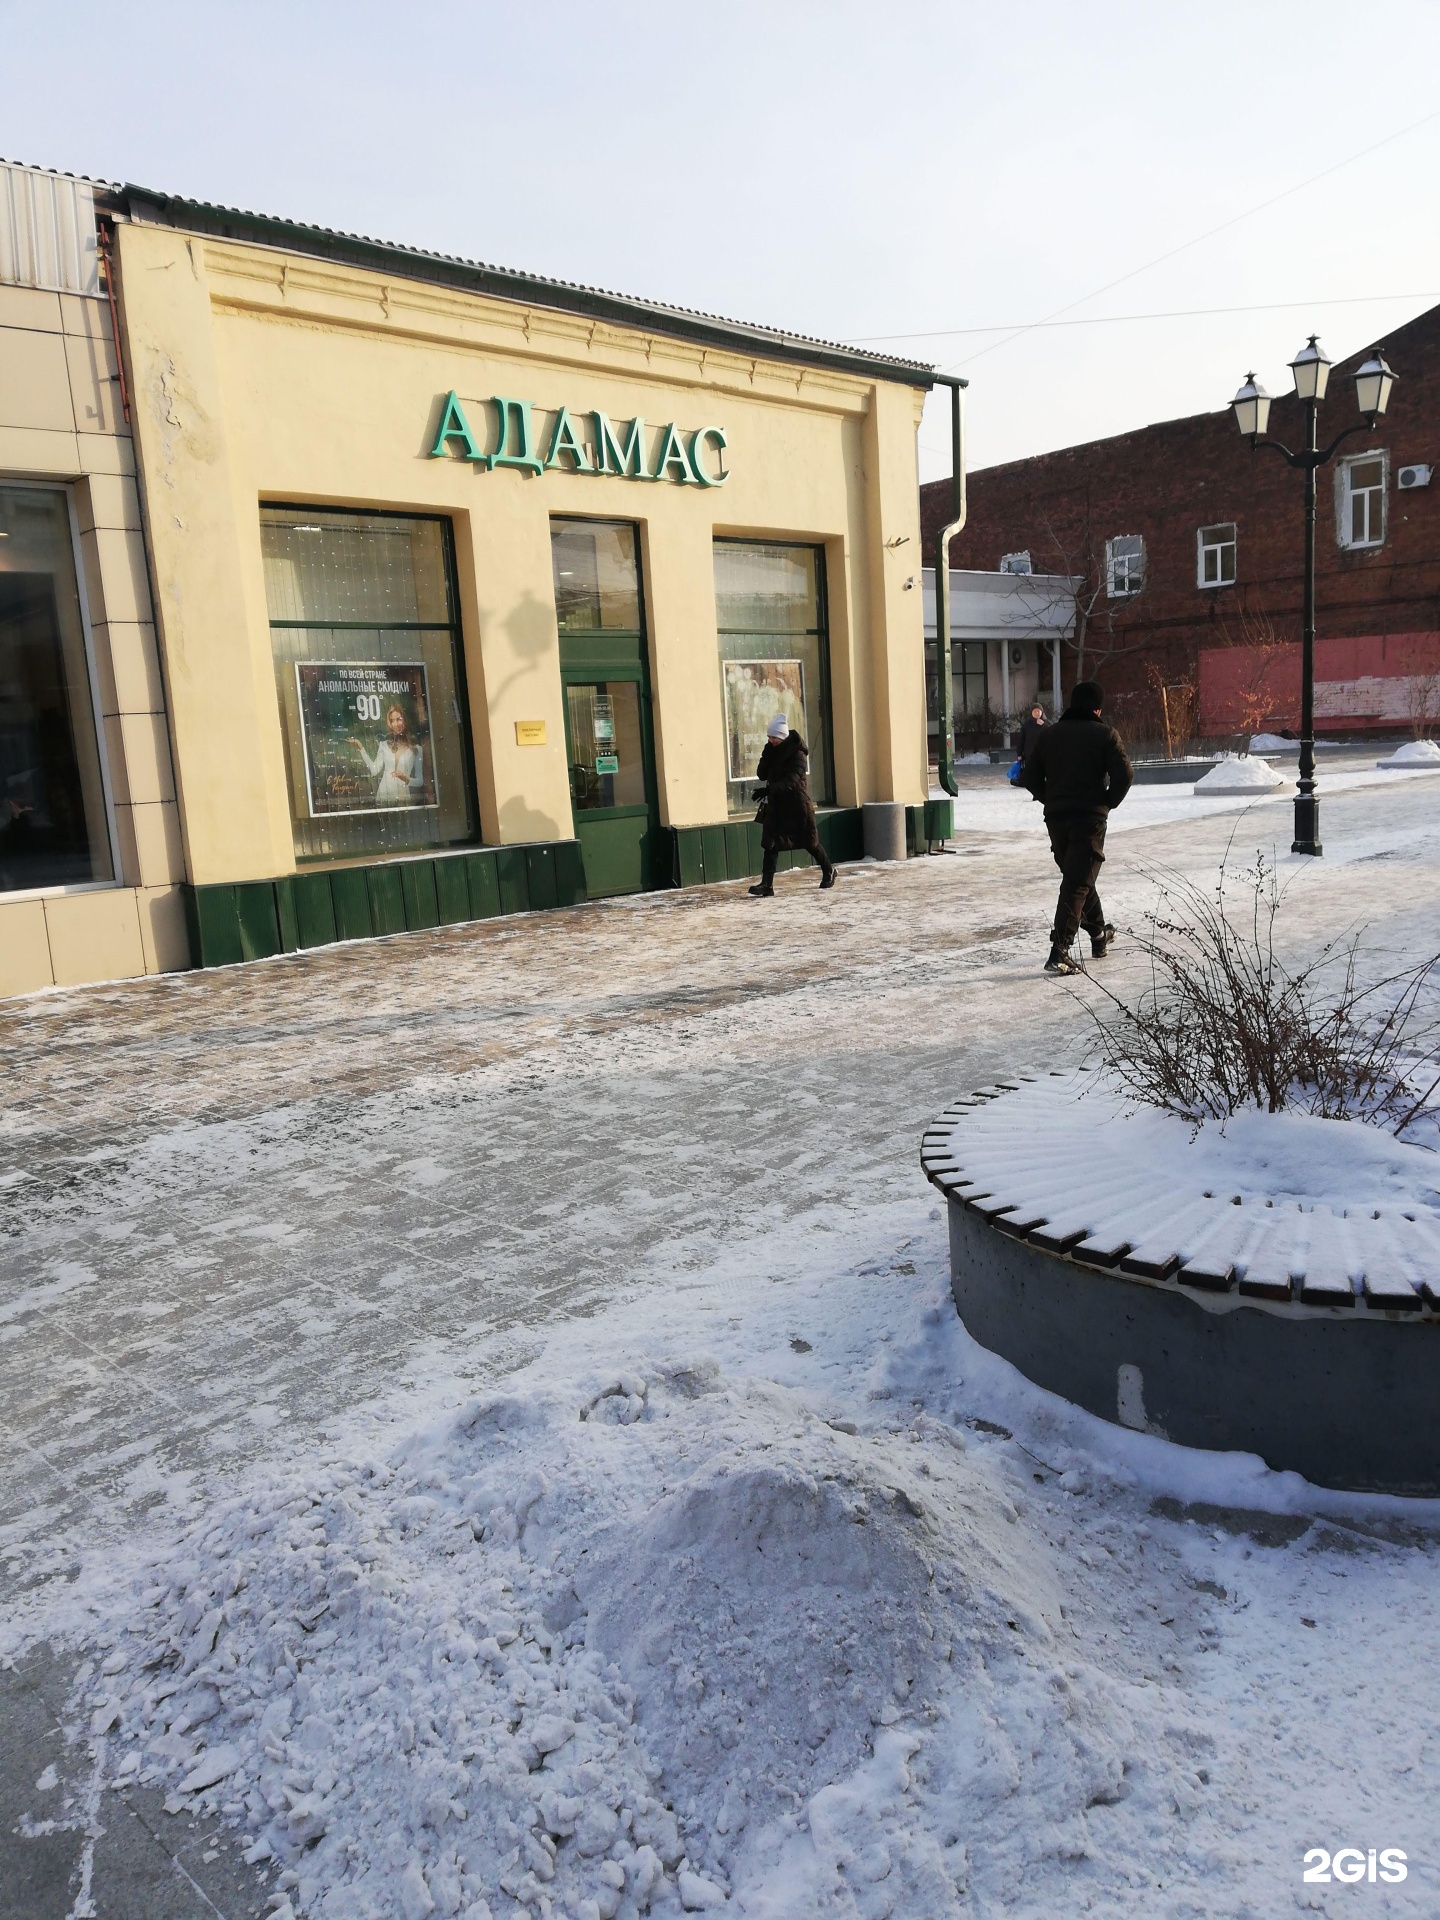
<point>72,199</point>
<point>506,283</point>
<point>47,231</point>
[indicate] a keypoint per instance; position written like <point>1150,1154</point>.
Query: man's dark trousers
<point>1077,841</point>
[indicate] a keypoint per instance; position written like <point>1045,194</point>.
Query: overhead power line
<point>1125,319</point>
<point>1209,234</point>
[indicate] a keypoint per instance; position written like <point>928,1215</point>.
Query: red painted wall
<point>1365,681</point>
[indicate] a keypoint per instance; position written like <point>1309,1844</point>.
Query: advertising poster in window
<point>366,731</point>
<point>755,691</point>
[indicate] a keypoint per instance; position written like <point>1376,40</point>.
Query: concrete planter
<point>1253,1359</point>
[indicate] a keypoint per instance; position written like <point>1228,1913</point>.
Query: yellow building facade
<point>471,591</point>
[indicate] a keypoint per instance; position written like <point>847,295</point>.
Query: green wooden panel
<point>514,878</point>
<point>314,909</point>
<point>452,894</point>
<point>737,850</point>
<point>849,834</point>
<point>753,842</point>
<point>351,897</point>
<point>215,926</point>
<point>712,845</point>
<point>484,884</point>
<point>601,654</point>
<point>387,899</point>
<point>540,875</point>
<point>939,819</point>
<point>569,873</point>
<point>285,911</point>
<point>692,857</point>
<point>417,884</point>
<point>259,922</point>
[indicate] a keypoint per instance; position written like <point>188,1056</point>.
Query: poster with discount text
<point>755,691</point>
<point>366,731</point>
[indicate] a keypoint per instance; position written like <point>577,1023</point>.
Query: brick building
<point>1186,552</point>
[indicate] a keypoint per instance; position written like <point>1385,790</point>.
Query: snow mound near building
<point>1239,775</point>
<point>1414,753</point>
<point>625,1645</point>
<point>1272,743</point>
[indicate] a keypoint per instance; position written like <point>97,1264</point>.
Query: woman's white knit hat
<point>778,728</point>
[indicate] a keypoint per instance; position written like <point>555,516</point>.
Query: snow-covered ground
<point>487,1412</point>
<point>994,806</point>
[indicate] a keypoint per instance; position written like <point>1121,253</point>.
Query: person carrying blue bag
<point>1030,728</point>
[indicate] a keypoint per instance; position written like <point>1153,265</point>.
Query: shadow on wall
<point>519,822</point>
<point>530,628</point>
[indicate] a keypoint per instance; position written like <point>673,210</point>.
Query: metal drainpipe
<point>942,579</point>
<point>104,238</point>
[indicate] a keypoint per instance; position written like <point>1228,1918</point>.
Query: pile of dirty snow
<point>1239,774</point>
<point>1414,753</point>
<point>1272,743</point>
<point>604,1649</point>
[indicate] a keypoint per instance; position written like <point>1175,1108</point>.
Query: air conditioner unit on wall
<point>1409,477</point>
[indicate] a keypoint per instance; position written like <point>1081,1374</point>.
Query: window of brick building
<point>1124,566</point>
<point>1016,562</point>
<point>1215,556</point>
<point>1360,500</point>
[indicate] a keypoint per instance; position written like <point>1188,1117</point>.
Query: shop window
<point>370,674</point>
<point>597,576</point>
<point>1124,566</point>
<point>1360,486</point>
<point>53,826</point>
<point>1215,556</point>
<point>969,673</point>
<point>774,658</point>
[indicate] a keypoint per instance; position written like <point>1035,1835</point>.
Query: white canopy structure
<point>1004,610</point>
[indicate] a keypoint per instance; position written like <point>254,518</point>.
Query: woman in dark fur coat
<point>787,813</point>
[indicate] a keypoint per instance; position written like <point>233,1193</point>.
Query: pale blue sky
<point>860,172</point>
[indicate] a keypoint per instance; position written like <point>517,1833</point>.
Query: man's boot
<point>1060,962</point>
<point>1101,943</point>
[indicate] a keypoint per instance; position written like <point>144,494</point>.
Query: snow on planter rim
<point>1288,1210</point>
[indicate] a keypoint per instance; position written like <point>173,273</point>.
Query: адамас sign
<point>689,459</point>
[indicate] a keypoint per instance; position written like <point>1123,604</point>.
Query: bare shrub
<point>1224,1025</point>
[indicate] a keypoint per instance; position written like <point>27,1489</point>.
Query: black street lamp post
<point>1373,382</point>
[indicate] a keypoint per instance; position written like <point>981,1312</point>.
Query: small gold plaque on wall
<point>529,733</point>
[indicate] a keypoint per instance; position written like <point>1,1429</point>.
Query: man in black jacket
<point>1079,771</point>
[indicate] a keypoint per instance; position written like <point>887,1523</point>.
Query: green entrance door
<point>608,730</point>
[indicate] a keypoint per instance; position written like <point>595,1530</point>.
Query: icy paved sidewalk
<point>253,1216</point>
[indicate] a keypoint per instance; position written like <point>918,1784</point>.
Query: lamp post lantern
<point>1311,370</point>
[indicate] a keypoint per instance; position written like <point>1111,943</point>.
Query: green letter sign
<point>568,453</point>
<point>672,454</point>
<point>611,457</point>
<point>563,439</point>
<point>454,426</point>
<point>515,426</point>
<point>716,436</point>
